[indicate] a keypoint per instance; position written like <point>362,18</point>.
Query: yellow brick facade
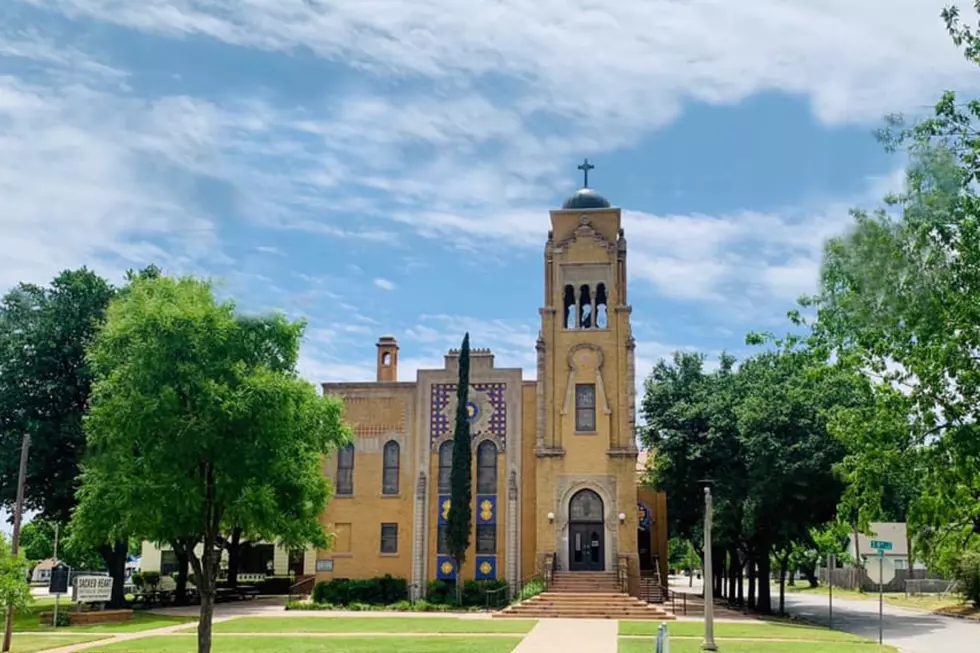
<point>563,444</point>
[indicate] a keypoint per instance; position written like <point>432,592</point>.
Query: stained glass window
<point>585,407</point>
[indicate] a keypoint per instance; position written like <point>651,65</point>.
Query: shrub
<point>383,590</point>
<point>533,588</point>
<point>151,579</point>
<point>474,594</point>
<point>968,575</point>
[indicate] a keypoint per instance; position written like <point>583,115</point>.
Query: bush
<point>151,579</point>
<point>474,594</point>
<point>383,590</point>
<point>968,575</point>
<point>533,588</point>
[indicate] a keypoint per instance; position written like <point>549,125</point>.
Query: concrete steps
<point>584,595</point>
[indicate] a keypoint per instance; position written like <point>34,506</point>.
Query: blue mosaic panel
<point>486,509</point>
<point>445,568</point>
<point>486,567</point>
<point>443,507</point>
<point>443,424</point>
<point>646,517</point>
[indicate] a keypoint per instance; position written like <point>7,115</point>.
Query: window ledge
<point>390,496</point>
<point>343,496</point>
<point>389,555</point>
<point>586,433</point>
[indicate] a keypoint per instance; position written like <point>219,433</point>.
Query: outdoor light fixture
<point>551,516</point>
<point>622,518</point>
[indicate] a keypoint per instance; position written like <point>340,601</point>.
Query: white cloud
<point>384,284</point>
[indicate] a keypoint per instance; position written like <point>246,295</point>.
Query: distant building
<point>894,532</point>
<point>42,571</point>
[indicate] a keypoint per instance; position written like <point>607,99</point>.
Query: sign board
<point>58,584</point>
<point>881,545</point>
<point>880,571</point>
<point>324,565</point>
<point>92,589</point>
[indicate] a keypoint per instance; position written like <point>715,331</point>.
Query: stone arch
<point>609,519</point>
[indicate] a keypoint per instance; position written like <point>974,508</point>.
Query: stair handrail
<point>306,579</point>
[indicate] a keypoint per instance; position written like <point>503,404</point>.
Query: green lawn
<point>33,643</point>
<point>694,646</point>
<point>180,644</point>
<point>29,621</point>
<point>749,629</point>
<point>328,624</point>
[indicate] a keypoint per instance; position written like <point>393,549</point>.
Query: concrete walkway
<point>572,636</point>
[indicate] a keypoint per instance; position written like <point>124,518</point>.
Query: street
<point>911,630</point>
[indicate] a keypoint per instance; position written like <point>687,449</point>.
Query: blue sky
<point>387,166</point>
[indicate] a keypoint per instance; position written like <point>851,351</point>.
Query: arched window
<point>389,476</point>
<point>445,466</point>
<point>585,506</point>
<point>386,359</point>
<point>345,470</point>
<point>486,468</point>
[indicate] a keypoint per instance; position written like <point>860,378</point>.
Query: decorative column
<point>540,346</point>
<point>513,529</point>
<point>419,540</point>
<point>631,388</point>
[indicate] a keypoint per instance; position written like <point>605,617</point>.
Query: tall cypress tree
<point>460,518</point>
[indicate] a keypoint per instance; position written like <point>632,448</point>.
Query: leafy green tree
<point>37,539</point>
<point>14,590</point>
<point>459,522</point>
<point>45,387</point>
<point>186,435</point>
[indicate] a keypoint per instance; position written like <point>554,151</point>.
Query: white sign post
<point>92,589</point>
<point>885,574</point>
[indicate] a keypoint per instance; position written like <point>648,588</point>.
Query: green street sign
<point>881,545</point>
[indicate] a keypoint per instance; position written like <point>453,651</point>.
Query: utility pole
<point>709,588</point>
<point>15,540</point>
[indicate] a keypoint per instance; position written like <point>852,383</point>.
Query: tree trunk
<point>234,557</point>
<point>719,573</point>
<point>180,551</point>
<point>752,576</point>
<point>206,568</point>
<point>783,568</point>
<point>741,583</point>
<point>115,557</point>
<point>733,567</point>
<point>764,602</point>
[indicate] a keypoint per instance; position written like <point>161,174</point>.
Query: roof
<point>893,532</point>
<point>586,198</point>
<point>46,564</point>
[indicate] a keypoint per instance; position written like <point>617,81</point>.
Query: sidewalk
<point>572,636</point>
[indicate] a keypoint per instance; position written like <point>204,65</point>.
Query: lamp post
<point>709,588</point>
<point>15,536</point>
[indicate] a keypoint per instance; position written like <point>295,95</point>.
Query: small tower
<point>387,359</point>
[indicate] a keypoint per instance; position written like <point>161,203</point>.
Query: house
<point>42,571</point>
<point>893,532</point>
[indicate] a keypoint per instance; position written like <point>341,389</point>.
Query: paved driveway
<point>910,630</point>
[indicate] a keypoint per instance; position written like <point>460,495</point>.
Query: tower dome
<point>585,197</point>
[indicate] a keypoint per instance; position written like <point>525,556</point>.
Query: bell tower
<point>585,440</point>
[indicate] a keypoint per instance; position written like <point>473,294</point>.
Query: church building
<point>556,466</point>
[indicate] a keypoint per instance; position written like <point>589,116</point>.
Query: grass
<point>29,621</point>
<point>756,630</point>
<point>432,625</point>
<point>33,643</point>
<point>178,644</point>
<point>694,646</point>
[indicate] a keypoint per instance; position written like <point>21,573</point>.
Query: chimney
<point>387,359</point>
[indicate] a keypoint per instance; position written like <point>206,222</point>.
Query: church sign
<point>92,589</point>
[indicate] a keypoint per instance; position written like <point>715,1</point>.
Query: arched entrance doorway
<point>586,532</point>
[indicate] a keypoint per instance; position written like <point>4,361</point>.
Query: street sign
<point>59,579</point>
<point>881,571</point>
<point>881,545</point>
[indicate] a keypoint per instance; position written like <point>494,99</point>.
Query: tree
<point>14,590</point>
<point>37,541</point>
<point>45,387</point>
<point>459,522</point>
<point>187,434</point>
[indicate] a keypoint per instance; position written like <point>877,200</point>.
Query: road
<point>912,631</point>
